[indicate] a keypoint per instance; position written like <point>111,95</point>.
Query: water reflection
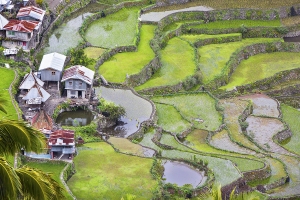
<point>181,174</point>
<point>137,110</point>
<point>75,118</point>
<point>292,39</point>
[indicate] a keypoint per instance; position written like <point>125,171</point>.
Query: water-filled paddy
<point>137,109</point>
<point>181,174</point>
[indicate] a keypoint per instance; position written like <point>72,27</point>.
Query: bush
<point>114,111</point>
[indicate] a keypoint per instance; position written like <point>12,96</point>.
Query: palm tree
<point>24,182</point>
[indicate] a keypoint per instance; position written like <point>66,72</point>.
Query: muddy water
<point>137,110</point>
<point>181,174</point>
<point>75,118</point>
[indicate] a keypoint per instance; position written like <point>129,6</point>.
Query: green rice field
<point>177,64</point>
<point>263,66</point>
<point>128,63</point>
<point>195,38</point>
<point>118,29</point>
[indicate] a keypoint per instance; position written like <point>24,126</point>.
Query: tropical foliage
<point>24,182</point>
<point>114,111</point>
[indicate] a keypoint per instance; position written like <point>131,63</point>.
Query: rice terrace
<point>160,99</point>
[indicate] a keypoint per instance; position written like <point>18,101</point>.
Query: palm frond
<point>10,184</point>
<point>15,135</point>
<point>38,185</point>
<point>2,102</point>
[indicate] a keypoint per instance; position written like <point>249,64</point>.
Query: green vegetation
<point>263,66</point>
<point>170,120</point>
<point>147,142</point>
<point>118,29</point>
<point>103,173</point>
<point>175,25</point>
<point>291,116</point>
<point>54,168</point>
<point>7,76</point>
<point>87,133</point>
<point>177,64</point>
<point>118,66</point>
<point>113,2</point>
<point>113,111</point>
<point>93,53</point>
<point>195,38</point>
<point>78,57</point>
<point>237,24</point>
<point>194,107</point>
<point>214,57</point>
<point>171,141</point>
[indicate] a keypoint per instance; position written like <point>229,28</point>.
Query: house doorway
<point>79,94</point>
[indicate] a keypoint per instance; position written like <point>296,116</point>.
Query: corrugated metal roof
<point>37,91</point>
<point>21,25</point>
<point>31,11</point>
<point>30,80</point>
<point>42,121</point>
<point>4,2</point>
<point>3,22</point>
<point>79,72</point>
<point>54,61</point>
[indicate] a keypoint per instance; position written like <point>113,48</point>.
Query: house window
<point>53,73</point>
<point>80,83</point>
<point>70,83</point>
<point>11,33</point>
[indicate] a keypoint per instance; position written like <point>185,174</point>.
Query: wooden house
<point>78,81</point>
<point>36,96</point>
<point>29,81</point>
<point>21,34</point>
<point>51,69</point>
<point>62,144</point>
<point>31,13</point>
<point>43,122</point>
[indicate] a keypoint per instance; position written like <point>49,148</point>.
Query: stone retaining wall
<point>283,135</point>
<point>258,174</point>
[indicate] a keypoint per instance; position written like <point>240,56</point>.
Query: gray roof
<point>30,80</point>
<point>54,61</point>
<point>4,2</point>
<point>35,92</point>
<point>3,22</point>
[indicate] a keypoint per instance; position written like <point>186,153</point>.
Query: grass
<point>101,173</point>
<point>263,66</point>
<point>170,120</point>
<point>237,24</point>
<point>291,116</point>
<point>7,76</point>
<point>94,52</point>
<point>147,142</point>
<point>118,29</point>
<point>54,168</point>
<point>171,141</point>
<point>213,57</point>
<point>175,25</point>
<point>290,21</point>
<point>221,4</point>
<point>118,66</point>
<point>177,64</point>
<point>113,2</point>
<point>193,107</point>
<point>195,38</point>
<point>126,146</point>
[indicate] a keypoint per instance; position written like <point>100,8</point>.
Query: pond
<point>67,35</point>
<point>292,39</point>
<point>181,174</point>
<point>137,110</point>
<point>75,118</point>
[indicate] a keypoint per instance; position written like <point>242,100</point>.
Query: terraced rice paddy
<point>213,58</point>
<point>194,108</point>
<point>196,38</point>
<point>123,64</point>
<point>118,29</point>
<point>177,64</point>
<point>112,175</point>
<point>266,65</point>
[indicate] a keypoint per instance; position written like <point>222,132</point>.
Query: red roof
<point>21,25</point>
<point>66,135</point>
<point>42,121</point>
<point>31,11</point>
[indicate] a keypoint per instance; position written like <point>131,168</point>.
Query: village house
<point>51,69</point>
<point>32,91</point>
<point>78,82</point>
<point>62,144</point>
<point>21,34</point>
<point>31,13</point>
<point>43,122</point>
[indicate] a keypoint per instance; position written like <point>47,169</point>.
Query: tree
<point>24,182</point>
<point>79,58</point>
<point>114,111</point>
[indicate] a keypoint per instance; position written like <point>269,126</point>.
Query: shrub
<point>114,111</point>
